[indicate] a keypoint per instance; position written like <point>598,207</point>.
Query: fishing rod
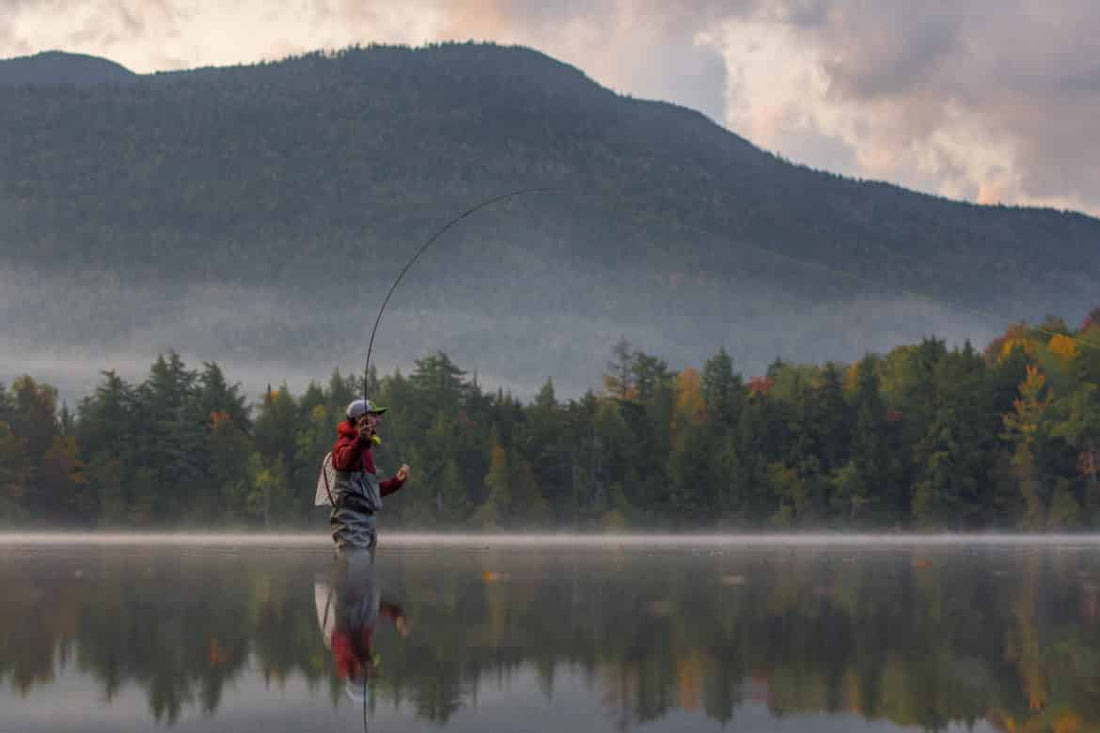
<point>423,247</point>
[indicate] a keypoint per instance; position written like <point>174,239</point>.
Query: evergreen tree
<point>528,507</point>
<point>939,495</point>
<point>230,449</point>
<point>955,456</point>
<point>835,419</point>
<point>62,481</point>
<point>15,474</point>
<point>171,438</point>
<point>213,394</point>
<point>868,478</point>
<point>619,380</point>
<point>438,384</point>
<point>648,374</point>
<point>545,446</point>
<point>751,496</point>
<point>108,438</point>
<point>435,457</point>
<point>1079,427</point>
<point>341,391</point>
<point>723,393</point>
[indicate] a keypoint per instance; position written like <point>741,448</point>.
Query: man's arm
<point>345,453</point>
<point>390,485</point>
<point>394,483</point>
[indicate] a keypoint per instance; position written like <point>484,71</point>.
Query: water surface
<point>464,634</point>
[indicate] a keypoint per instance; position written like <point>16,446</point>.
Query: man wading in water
<point>357,493</point>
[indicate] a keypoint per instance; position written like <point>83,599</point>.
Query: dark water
<point>472,637</point>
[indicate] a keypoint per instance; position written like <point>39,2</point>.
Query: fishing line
<point>415,257</point>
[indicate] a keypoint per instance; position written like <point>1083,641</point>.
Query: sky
<point>993,101</point>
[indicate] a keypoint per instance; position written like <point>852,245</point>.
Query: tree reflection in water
<point>917,636</point>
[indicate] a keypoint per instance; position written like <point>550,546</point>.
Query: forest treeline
<point>924,436</point>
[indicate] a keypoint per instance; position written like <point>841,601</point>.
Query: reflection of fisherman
<point>357,492</point>
<point>349,613</point>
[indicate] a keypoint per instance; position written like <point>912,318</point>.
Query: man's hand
<point>403,473</point>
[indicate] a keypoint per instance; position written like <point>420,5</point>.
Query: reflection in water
<point>919,636</point>
<point>348,611</point>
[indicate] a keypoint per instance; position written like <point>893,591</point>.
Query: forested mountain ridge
<point>59,68</point>
<point>334,140</point>
<point>316,176</point>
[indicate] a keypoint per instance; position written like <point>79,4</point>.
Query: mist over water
<point>537,540</point>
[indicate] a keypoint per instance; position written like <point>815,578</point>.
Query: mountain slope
<point>59,68</point>
<point>304,185</point>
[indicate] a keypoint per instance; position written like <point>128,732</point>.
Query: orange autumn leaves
<point>1050,343</point>
<point>690,405</point>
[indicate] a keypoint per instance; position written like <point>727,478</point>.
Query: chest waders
<point>357,497</point>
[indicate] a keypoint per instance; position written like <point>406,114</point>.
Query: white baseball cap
<point>358,408</point>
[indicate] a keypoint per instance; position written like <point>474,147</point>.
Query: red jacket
<point>352,453</point>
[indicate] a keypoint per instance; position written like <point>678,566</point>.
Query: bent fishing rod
<point>423,247</point>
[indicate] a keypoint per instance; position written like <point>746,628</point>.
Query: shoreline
<point>565,540</point>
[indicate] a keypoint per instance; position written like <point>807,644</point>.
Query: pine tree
<point>618,380</point>
<point>868,481</point>
<point>438,384</point>
<point>647,375</point>
<point>938,495</point>
<point>109,445</point>
<point>230,448</point>
<point>214,394</point>
<point>834,420</point>
<point>62,481</point>
<point>723,393</point>
<point>14,474</point>
<point>341,391</point>
<point>171,438</point>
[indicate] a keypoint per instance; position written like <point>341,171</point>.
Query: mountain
<point>256,215</point>
<point>57,67</point>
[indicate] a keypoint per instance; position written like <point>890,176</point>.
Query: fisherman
<point>357,492</point>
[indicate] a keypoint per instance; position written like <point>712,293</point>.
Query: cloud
<point>990,100</point>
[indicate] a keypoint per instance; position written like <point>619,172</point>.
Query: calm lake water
<point>231,634</point>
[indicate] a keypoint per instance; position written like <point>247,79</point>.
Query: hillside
<point>58,68</point>
<point>258,213</point>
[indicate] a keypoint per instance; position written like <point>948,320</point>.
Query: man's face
<point>372,420</point>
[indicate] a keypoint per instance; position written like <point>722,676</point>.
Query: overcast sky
<point>985,100</point>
